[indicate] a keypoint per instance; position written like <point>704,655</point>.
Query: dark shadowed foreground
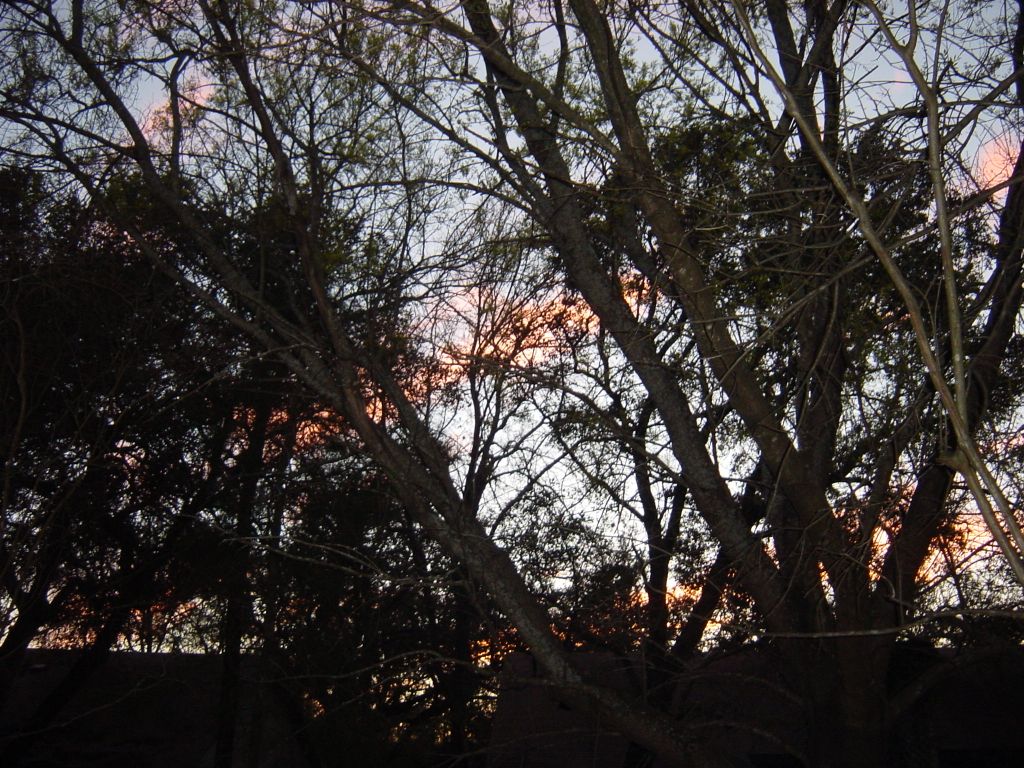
<point>145,710</point>
<point>968,714</point>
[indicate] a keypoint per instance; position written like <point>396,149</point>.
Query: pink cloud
<point>995,160</point>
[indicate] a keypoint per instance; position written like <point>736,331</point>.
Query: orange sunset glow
<point>522,333</point>
<point>996,160</point>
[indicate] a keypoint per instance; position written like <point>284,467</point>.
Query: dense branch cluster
<point>662,328</point>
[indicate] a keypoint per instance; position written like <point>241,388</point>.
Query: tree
<point>153,460</point>
<point>102,474</point>
<point>785,351</point>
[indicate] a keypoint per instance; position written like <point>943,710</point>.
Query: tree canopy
<point>653,327</point>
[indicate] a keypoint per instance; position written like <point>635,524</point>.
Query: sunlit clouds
<point>996,160</point>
